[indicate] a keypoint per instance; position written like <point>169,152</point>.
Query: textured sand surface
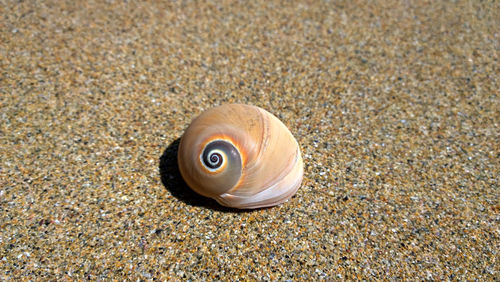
<point>394,103</point>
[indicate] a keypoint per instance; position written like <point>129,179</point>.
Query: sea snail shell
<point>242,156</point>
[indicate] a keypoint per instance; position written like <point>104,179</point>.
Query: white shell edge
<point>276,194</point>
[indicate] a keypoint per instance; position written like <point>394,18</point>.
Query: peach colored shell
<point>252,159</point>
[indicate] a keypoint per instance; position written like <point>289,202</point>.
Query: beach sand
<point>394,104</point>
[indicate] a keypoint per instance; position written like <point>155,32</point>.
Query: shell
<point>242,156</point>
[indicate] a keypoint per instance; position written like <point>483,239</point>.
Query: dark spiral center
<point>214,154</point>
<point>219,153</point>
<point>215,160</point>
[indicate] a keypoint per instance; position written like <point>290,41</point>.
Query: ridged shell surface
<point>242,156</point>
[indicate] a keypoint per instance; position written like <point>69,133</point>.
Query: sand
<point>394,104</point>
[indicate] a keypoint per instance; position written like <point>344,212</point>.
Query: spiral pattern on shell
<point>242,156</point>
